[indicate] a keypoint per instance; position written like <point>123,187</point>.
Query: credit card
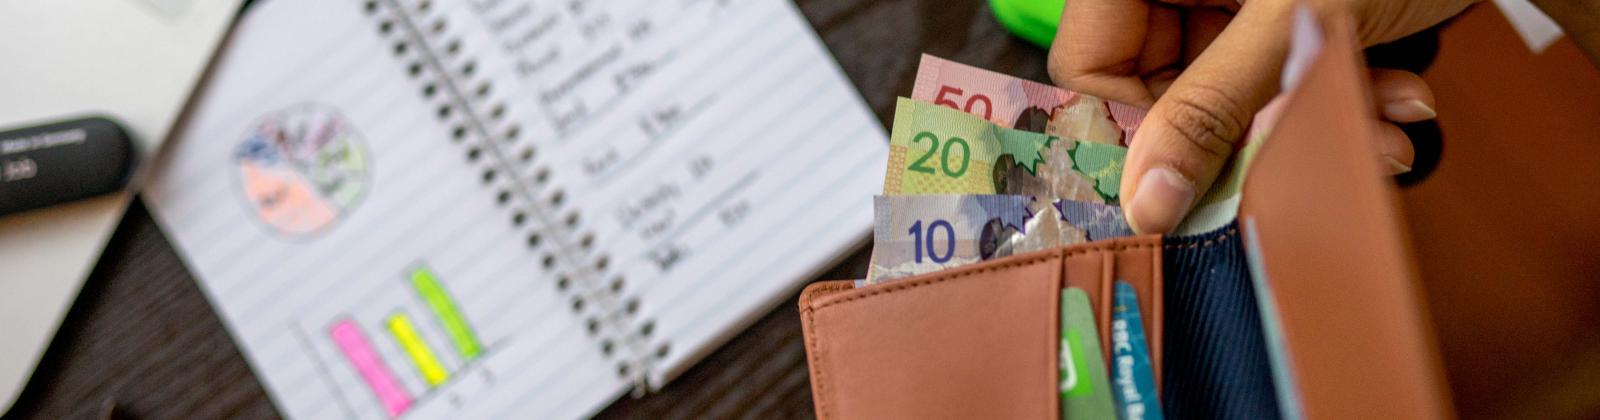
<point>1085,388</point>
<point>1130,359</point>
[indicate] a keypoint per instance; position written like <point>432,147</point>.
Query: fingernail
<point>1408,110</point>
<point>1162,199</point>
<point>1395,167</point>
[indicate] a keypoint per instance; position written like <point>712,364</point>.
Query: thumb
<point>1193,128</point>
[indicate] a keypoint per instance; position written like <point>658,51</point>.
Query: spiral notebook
<point>509,208</point>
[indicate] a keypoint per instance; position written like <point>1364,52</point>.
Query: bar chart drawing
<point>421,356</point>
<point>361,355</point>
<point>449,315</point>
<point>438,362</point>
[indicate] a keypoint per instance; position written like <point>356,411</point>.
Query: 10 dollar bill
<point>916,234</point>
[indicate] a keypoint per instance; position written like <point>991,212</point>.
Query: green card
<point>1085,388</point>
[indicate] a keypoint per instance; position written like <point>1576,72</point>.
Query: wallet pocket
<point>973,341</point>
<point>1095,268</point>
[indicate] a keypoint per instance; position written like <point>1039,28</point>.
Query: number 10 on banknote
<point>919,238</point>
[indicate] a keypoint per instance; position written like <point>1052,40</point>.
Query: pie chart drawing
<point>302,169</point>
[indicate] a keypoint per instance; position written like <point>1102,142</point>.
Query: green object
<point>445,309</point>
<point>1085,386</point>
<point>1033,20</point>
<point>941,150</point>
<point>1101,163</point>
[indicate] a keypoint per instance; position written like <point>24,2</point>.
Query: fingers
<point>1401,96</point>
<point>1191,131</point>
<point>1202,3</point>
<point>1394,148</point>
<point>1201,27</point>
<point>1159,62</point>
<point>1098,48</point>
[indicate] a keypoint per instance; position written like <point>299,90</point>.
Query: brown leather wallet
<point>974,341</point>
<point>1322,225</point>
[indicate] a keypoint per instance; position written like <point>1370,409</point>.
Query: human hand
<point>1204,68</point>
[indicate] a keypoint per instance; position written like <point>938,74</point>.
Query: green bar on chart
<point>444,308</point>
<point>405,333</point>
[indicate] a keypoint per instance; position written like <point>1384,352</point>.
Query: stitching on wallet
<point>1231,232</point>
<point>815,343</point>
<point>816,352</point>
<point>814,357</point>
<point>903,285</point>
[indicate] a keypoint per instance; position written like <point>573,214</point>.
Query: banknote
<point>1024,104</point>
<point>915,234</point>
<point>938,150</point>
<point>1097,221</point>
<point>1220,205</point>
<point>1131,373</point>
<point>1085,389</point>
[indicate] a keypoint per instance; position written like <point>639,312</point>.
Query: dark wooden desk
<point>1508,262</point>
<point>143,337</point>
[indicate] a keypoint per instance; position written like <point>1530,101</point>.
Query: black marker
<point>64,161</point>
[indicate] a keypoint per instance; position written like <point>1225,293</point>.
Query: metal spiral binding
<point>445,78</point>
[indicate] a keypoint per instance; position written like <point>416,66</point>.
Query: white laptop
<point>134,60</point>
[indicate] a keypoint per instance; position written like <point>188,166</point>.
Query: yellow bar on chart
<point>427,364</point>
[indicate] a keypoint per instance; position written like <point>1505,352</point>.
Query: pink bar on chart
<point>360,353</point>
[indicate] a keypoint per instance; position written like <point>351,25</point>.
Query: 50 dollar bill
<point>1024,104</point>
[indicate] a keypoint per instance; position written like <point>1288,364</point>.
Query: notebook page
<point>356,254</point>
<point>712,149</point>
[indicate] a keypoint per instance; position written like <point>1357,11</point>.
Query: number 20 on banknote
<point>953,146</point>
